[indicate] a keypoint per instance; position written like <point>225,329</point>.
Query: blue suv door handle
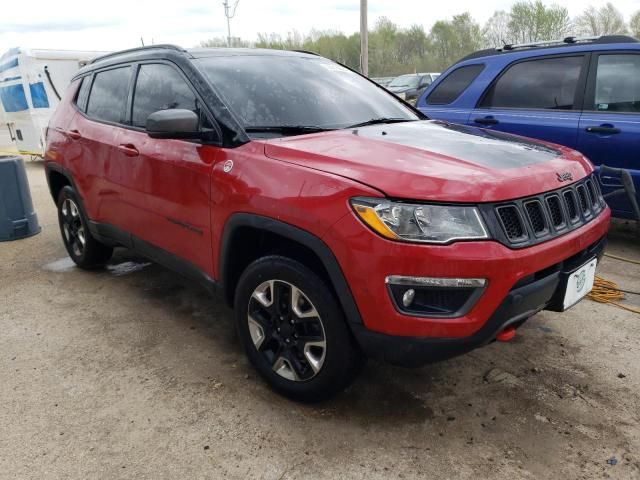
<point>486,121</point>
<point>605,129</point>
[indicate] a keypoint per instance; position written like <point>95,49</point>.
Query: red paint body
<point>140,184</point>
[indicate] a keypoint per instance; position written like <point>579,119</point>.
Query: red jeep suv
<point>337,220</point>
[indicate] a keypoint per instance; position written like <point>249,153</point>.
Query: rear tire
<point>293,330</point>
<point>84,250</point>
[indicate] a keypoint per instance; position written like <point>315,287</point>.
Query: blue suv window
<point>548,83</point>
<point>454,84</point>
<point>618,84</point>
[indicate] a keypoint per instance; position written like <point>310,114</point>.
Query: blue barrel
<point>17,217</point>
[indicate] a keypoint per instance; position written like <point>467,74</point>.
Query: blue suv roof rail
<point>565,42</point>
<point>570,41</point>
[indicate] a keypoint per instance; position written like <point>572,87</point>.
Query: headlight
<point>420,223</point>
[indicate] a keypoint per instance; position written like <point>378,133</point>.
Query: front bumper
<point>536,292</point>
<point>367,260</point>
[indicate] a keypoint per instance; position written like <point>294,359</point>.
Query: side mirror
<point>173,123</point>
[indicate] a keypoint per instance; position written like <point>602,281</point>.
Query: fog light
<point>437,297</point>
<point>407,298</point>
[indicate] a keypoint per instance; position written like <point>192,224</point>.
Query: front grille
<point>572,206</point>
<point>539,218</point>
<point>511,222</point>
<point>536,216</point>
<point>555,209</point>
<point>592,193</point>
<point>582,196</point>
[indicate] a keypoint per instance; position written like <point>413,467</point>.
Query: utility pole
<point>364,39</point>
<point>229,12</point>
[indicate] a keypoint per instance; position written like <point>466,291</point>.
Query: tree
<point>533,21</point>
<point>634,24</point>
<point>603,21</point>
<point>451,40</point>
<point>221,42</point>
<point>496,30</point>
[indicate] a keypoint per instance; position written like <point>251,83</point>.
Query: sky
<point>117,24</point>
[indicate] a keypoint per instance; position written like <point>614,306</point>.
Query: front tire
<point>294,331</point>
<point>83,249</point>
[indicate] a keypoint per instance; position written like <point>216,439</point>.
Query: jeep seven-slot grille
<point>572,207</point>
<point>536,216</point>
<point>582,195</point>
<point>535,219</point>
<point>511,222</point>
<point>555,210</point>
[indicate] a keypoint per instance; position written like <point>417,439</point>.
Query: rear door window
<point>454,84</point>
<point>617,87</point>
<point>548,83</point>
<point>160,87</point>
<point>108,98</point>
<point>83,93</point>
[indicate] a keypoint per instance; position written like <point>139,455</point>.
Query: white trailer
<point>31,83</point>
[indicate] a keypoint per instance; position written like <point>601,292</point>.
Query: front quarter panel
<point>245,180</point>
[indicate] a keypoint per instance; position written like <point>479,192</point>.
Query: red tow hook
<point>506,334</point>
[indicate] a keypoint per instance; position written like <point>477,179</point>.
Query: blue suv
<point>580,92</point>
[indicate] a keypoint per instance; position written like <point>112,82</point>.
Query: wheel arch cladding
<point>57,181</point>
<point>247,237</point>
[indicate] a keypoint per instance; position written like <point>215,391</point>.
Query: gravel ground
<point>133,372</point>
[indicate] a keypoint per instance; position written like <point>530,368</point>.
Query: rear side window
<point>548,83</point>
<point>83,93</point>
<point>160,87</point>
<point>454,84</point>
<point>618,84</point>
<point>108,97</point>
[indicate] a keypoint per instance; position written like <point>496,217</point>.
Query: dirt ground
<point>133,372</point>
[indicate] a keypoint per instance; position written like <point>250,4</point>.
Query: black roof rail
<point>565,42</point>
<point>164,46</point>
<point>309,52</point>
<point>571,41</point>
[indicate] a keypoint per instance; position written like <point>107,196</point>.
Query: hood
<point>437,161</point>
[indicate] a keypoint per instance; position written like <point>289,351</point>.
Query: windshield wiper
<point>287,129</point>
<point>376,121</point>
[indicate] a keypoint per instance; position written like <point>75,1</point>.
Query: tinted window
<point>109,95</point>
<point>408,81</point>
<point>160,87</point>
<point>83,93</point>
<point>276,90</point>
<point>425,81</point>
<point>618,84</point>
<point>548,83</point>
<point>454,84</point>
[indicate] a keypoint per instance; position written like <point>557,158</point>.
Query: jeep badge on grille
<point>564,176</point>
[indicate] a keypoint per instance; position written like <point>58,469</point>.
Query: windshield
<point>284,90</point>
<point>409,81</point>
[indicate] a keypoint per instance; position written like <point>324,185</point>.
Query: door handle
<point>129,150</point>
<point>74,134</point>
<point>604,129</point>
<point>486,121</point>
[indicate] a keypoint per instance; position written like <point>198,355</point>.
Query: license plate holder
<point>579,283</point>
